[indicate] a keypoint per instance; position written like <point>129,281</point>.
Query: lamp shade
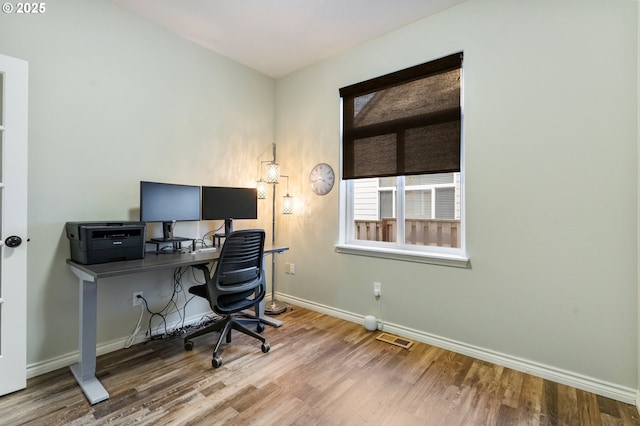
<point>287,204</point>
<point>262,189</point>
<point>273,173</point>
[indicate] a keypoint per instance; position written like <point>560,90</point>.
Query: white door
<point>13,224</point>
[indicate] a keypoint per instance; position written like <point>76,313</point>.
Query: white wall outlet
<point>377,289</point>
<point>137,300</point>
<point>290,268</point>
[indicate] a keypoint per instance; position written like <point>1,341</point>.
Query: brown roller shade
<point>404,123</point>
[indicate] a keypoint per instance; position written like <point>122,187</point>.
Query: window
<point>401,161</point>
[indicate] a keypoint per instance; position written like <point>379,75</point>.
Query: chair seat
<point>225,301</point>
<point>199,290</point>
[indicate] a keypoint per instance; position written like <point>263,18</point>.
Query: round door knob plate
<point>13,241</point>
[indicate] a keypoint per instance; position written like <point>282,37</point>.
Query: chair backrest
<point>238,281</point>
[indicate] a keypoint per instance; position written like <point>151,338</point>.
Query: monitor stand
<point>228,227</point>
<point>168,237</point>
<point>167,230</point>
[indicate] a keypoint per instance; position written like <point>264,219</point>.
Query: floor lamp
<point>272,178</point>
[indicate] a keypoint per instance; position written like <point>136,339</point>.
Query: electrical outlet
<point>377,289</point>
<point>137,300</point>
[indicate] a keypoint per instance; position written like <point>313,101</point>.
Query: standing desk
<point>85,370</point>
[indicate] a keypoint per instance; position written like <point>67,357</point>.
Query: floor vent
<point>395,340</point>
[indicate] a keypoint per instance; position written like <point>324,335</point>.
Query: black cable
<point>200,242</point>
<point>184,307</point>
<point>153,314</point>
<point>164,312</point>
<point>211,233</point>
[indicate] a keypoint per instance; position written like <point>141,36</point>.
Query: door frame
<point>13,221</point>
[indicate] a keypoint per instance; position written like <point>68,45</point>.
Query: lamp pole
<point>276,307</point>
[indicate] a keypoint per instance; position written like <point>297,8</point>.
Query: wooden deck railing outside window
<point>427,232</point>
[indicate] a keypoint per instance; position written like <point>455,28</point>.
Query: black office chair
<point>238,283</point>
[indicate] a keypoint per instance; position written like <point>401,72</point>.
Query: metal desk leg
<point>85,370</point>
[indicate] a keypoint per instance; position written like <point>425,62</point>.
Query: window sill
<point>443,259</point>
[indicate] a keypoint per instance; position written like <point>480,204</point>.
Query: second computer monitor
<point>228,203</point>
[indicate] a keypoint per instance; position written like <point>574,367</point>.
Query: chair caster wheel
<point>216,362</point>
<point>188,345</point>
<point>265,347</point>
<point>259,328</point>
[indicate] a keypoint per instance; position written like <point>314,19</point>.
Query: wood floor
<point>320,371</point>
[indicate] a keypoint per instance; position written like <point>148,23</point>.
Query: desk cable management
<point>163,313</point>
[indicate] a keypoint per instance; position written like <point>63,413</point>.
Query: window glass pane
<point>387,182</point>
<point>432,210</point>
<point>417,204</point>
<point>429,179</point>
<point>365,199</point>
<point>382,226</point>
<point>387,209</point>
<point>445,203</point>
<point>401,158</point>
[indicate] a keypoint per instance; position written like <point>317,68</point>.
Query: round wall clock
<point>321,178</point>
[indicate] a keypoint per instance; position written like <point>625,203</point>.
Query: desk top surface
<point>153,261</point>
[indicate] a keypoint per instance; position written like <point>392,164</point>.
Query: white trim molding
<point>39,368</point>
<point>444,259</point>
<point>565,377</point>
<point>36,369</point>
<point>589,384</point>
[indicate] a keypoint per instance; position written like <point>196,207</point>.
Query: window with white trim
<point>401,160</point>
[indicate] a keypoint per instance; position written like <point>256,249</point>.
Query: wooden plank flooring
<point>320,371</point>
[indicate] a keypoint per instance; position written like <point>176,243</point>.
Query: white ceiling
<point>277,37</point>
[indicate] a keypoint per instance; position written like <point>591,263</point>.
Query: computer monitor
<point>227,203</point>
<point>168,203</point>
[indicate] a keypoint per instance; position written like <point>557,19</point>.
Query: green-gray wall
<point>115,99</point>
<point>550,142</point>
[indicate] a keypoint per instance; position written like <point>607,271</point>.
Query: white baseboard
<point>71,358</point>
<point>589,384</point>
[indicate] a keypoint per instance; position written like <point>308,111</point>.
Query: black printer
<point>101,242</point>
